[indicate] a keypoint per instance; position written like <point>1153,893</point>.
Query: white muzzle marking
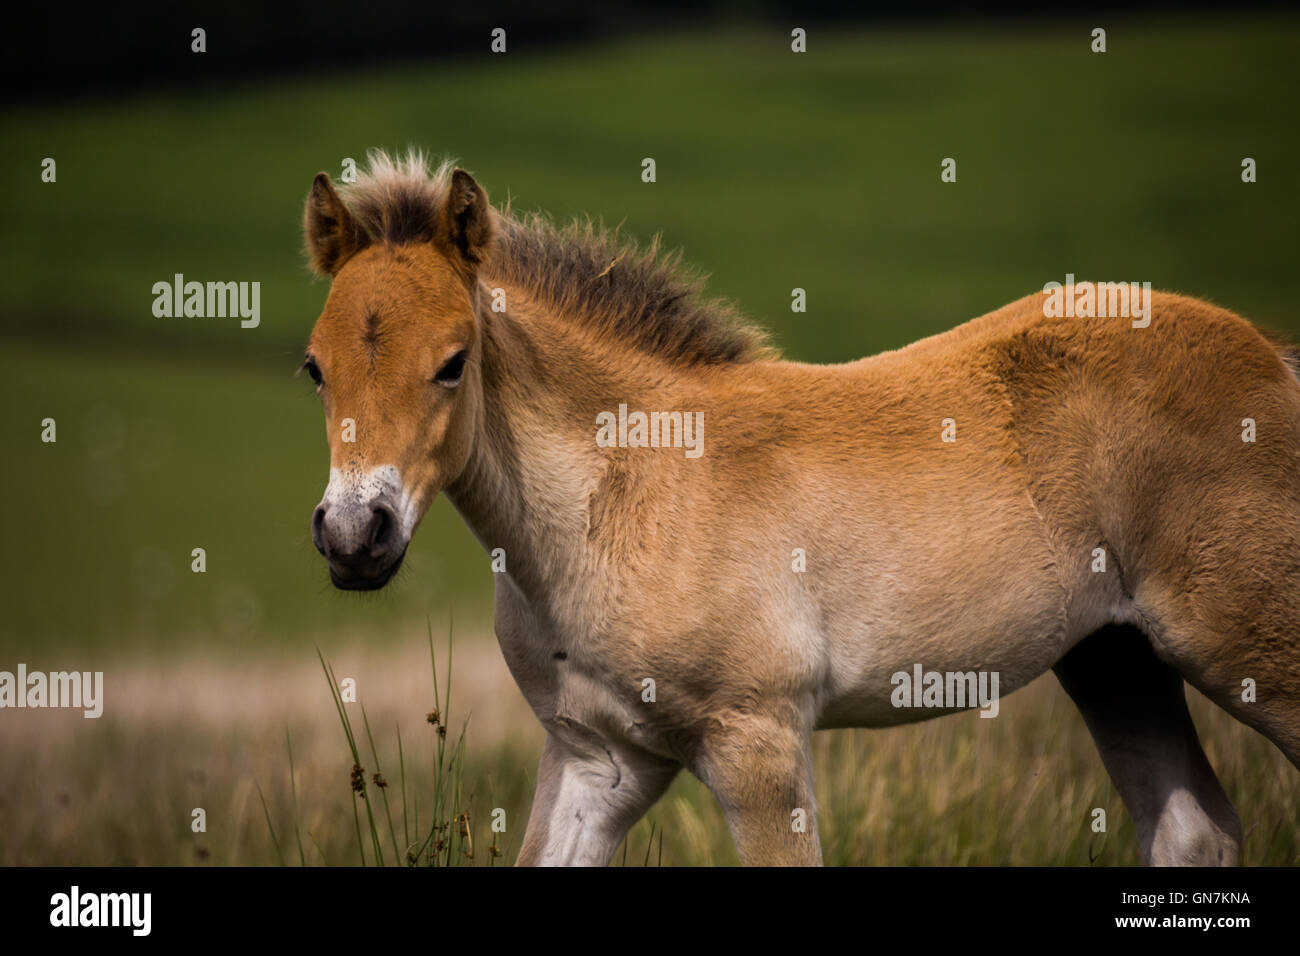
<point>350,494</point>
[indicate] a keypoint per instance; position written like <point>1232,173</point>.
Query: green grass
<point>775,170</point>
<point>158,455</point>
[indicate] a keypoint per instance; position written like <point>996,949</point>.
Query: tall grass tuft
<point>447,838</point>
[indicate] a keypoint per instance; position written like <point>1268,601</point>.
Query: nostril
<point>318,531</point>
<point>383,529</point>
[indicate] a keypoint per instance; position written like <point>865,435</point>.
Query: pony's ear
<point>333,236</point>
<point>465,227</point>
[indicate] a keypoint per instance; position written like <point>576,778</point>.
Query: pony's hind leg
<point>1224,610</point>
<point>1135,708</point>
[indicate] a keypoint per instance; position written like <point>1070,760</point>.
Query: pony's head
<point>394,354</point>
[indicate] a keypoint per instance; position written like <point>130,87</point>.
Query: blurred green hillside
<point>775,170</point>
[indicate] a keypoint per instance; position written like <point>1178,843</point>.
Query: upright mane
<point>645,297</point>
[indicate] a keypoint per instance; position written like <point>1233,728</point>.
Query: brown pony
<point>850,545</point>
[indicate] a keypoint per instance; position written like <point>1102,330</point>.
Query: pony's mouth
<point>353,579</point>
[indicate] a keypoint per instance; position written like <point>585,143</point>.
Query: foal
<point>1119,503</point>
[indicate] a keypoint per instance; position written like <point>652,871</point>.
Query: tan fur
<point>625,564</point>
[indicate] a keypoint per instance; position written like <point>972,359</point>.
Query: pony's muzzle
<point>362,541</point>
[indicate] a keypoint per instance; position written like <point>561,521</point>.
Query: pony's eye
<point>313,370</point>
<point>451,372</point>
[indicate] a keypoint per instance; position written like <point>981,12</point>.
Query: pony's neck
<point>534,463</point>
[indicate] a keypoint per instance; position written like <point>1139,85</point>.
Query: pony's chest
<point>566,680</point>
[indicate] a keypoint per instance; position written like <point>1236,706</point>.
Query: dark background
<point>49,50</point>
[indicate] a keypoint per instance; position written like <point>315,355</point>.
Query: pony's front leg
<point>760,769</point>
<point>587,798</point>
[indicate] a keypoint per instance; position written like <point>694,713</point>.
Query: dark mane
<point>642,297</point>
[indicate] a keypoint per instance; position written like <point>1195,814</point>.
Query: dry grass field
<point>206,732</point>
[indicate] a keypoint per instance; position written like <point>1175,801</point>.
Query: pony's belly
<point>899,680</point>
<point>942,646</point>
<point>947,573</point>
